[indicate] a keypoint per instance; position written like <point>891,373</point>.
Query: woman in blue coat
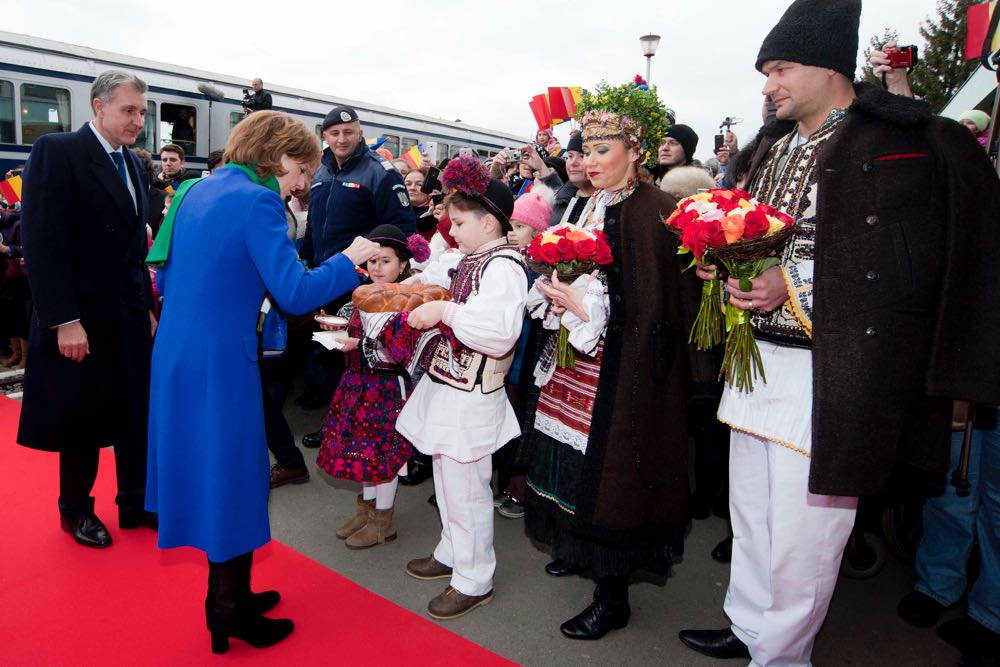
<point>208,476</point>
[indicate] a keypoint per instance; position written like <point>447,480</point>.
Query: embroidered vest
<point>455,364</point>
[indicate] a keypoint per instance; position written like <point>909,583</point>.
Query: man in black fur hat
<point>866,329</point>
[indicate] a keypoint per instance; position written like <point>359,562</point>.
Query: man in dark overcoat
<point>881,312</point>
<point>87,380</point>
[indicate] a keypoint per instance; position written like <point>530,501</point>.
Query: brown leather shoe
<point>427,568</point>
<point>452,604</point>
<point>281,476</point>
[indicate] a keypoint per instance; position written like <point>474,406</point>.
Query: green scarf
<point>158,254</point>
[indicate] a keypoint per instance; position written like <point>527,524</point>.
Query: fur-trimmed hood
<point>681,182</point>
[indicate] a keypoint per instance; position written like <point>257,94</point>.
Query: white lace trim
<point>557,430</point>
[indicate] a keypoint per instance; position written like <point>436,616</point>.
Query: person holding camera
<point>259,100</point>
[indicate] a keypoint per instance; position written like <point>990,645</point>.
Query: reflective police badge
<point>344,116</point>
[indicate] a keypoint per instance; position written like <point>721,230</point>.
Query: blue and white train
<point>45,87</point>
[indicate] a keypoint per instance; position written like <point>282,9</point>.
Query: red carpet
<point>132,604</point>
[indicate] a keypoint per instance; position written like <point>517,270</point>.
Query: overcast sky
<point>477,61</point>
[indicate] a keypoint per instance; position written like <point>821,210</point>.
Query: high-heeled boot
<point>228,614</point>
<point>257,603</point>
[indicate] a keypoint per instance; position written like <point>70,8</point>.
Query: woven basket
<point>568,277</point>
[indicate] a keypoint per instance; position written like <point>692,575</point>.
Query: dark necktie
<point>120,163</point>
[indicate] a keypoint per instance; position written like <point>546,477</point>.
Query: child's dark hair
<point>465,203</point>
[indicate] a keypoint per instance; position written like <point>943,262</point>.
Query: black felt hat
<point>820,33</point>
<point>575,143</point>
<point>499,200</point>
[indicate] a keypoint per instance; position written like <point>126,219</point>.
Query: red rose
<point>683,220</point>
<point>698,238</point>
<point>603,256</point>
<point>549,253</point>
<point>741,194</point>
<point>692,239</point>
<point>534,249</point>
<point>566,250</point>
<point>756,225</point>
<point>586,248</point>
<point>725,205</point>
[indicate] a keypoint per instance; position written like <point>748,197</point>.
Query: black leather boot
<point>228,613</point>
<point>257,603</point>
<point>609,611</point>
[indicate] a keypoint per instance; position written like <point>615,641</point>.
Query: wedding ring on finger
<point>750,303</point>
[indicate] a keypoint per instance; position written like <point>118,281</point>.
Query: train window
<point>483,154</point>
<point>147,138</point>
<point>391,144</point>
<point>44,109</point>
<point>444,151</point>
<point>234,119</point>
<point>6,112</point>
<point>407,144</point>
<point>178,126</point>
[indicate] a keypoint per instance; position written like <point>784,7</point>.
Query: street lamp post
<point>649,43</point>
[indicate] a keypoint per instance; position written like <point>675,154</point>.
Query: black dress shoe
<point>715,643</point>
<point>723,551</point>
<point>597,620</point>
<point>87,530</point>
<point>920,610</point>
<point>130,520</point>
<point>313,440</point>
<point>970,637</point>
<point>560,568</point>
<point>416,472</point>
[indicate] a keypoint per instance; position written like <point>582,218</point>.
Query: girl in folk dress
<point>360,441</point>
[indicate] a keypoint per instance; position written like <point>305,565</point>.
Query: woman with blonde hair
<point>223,246</point>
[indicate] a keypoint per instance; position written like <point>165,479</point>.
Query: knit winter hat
<point>819,33</point>
<point>575,143</point>
<point>531,209</point>
<point>687,139</point>
<point>981,119</point>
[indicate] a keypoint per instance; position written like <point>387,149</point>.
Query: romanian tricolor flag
<point>11,189</point>
<point>375,143</point>
<point>977,25</point>
<point>562,103</point>
<point>526,187</point>
<point>413,156</point>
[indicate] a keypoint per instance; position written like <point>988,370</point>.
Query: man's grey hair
<point>107,81</point>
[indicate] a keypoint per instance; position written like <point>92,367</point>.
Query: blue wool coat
<point>208,475</point>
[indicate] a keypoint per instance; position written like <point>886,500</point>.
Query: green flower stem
<point>564,351</point>
<point>707,331</point>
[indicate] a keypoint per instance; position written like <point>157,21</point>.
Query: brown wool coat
<point>905,301</point>
<point>635,486</point>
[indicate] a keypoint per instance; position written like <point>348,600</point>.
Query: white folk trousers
<point>465,503</point>
<point>787,548</point>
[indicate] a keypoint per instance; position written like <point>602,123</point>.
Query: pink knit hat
<point>533,210</point>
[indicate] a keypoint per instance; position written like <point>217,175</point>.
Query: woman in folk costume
<point>208,473</point>
<point>459,413</point>
<point>360,441</point>
<point>608,476</point>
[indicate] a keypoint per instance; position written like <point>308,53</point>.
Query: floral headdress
<point>631,112</point>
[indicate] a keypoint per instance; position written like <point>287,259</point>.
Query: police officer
<point>354,191</point>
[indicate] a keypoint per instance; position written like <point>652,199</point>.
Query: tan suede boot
<point>358,521</point>
<point>379,530</point>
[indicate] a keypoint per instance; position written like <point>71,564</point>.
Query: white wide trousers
<point>465,503</point>
<point>787,548</point>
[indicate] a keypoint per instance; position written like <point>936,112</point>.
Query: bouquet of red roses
<point>571,251</point>
<point>743,235</point>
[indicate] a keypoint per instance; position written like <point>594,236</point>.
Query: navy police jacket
<point>351,201</point>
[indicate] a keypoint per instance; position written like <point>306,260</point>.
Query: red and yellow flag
<point>413,157</point>
<point>977,25</point>
<point>11,189</point>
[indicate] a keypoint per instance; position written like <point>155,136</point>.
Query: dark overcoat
<point>84,247</point>
<point>905,307</point>
<point>635,483</point>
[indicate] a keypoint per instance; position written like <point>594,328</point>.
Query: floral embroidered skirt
<point>360,440</point>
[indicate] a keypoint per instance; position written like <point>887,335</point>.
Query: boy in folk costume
<point>459,413</point>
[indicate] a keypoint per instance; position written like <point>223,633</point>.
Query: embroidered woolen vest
<point>455,364</point>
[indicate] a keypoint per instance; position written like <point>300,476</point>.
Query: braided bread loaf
<point>395,298</point>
